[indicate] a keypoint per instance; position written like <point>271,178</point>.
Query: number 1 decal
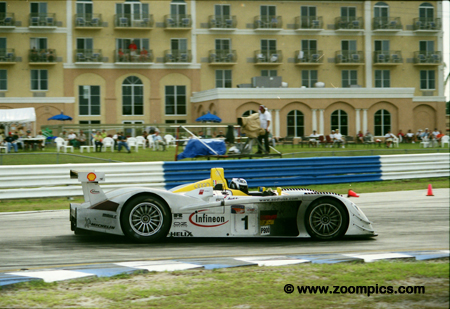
<point>245,219</point>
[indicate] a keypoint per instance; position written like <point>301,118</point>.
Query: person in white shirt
<point>265,118</point>
<point>313,139</point>
<point>389,138</point>
<point>338,139</point>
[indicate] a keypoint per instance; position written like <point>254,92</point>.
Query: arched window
<point>248,113</point>
<point>426,13</point>
<point>339,120</point>
<point>295,123</point>
<point>381,15</point>
<point>382,122</point>
<point>132,96</point>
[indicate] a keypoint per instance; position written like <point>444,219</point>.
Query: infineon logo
<point>204,220</point>
<point>91,176</point>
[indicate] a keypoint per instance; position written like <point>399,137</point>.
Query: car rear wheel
<point>326,219</point>
<point>146,219</point>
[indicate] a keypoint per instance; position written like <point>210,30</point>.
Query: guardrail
<point>33,181</point>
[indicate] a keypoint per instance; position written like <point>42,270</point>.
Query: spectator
<point>122,56</point>
<point>72,138</point>
<point>410,137</point>
<point>34,55</point>
<point>145,136</point>
<point>419,135</point>
<point>81,138</point>
<point>220,134</point>
<point>63,134</point>
<point>435,132</point>
<point>159,140</point>
<point>43,137</point>
<point>11,142</point>
<point>104,133</point>
<point>401,136</point>
<point>200,134</point>
<point>51,55</point>
<point>368,138</point>
<point>426,134</point>
<point>43,56</point>
<point>388,139</point>
<point>360,137</point>
<point>122,141</point>
<point>265,118</point>
<point>313,139</point>
<point>439,136</point>
<point>133,50</point>
<point>143,55</point>
<point>98,139</point>
<point>338,139</point>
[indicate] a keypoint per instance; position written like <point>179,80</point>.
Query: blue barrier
<point>279,172</point>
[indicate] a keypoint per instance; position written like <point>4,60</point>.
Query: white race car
<point>214,208</point>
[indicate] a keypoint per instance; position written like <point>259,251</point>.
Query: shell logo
<point>91,176</point>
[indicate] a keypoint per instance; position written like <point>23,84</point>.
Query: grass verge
<point>262,287</point>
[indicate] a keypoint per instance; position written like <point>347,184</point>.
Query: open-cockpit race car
<point>214,207</point>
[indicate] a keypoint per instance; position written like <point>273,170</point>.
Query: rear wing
<point>89,182</point>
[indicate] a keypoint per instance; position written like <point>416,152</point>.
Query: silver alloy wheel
<point>146,219</point>
<point>325,220</point>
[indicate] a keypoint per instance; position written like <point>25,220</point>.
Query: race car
<point>214,207</point>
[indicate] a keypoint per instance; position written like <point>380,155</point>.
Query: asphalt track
<point>405,221</point>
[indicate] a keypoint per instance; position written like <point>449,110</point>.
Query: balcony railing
<point>139,21</point>
<point>387,23</point>
<point>88,20</point>
<point>349,57</point>
<point>430,24</point>
<point>177,56</point>
<point>42,20</point>
<point>7,20</point>
<point>268,22</point>
<point>222,56</point>
<point>387,57</point>
<point>133,56</point>
<point>222,21</point>
<point>348,23</point>
<point>308,22</point>
<point>42,56</point>
<point>178,21</point>
<point>309,56</point>
<point>88,55</point>
<point>430,58</point>
<point>7,55</point>
<point>268,56</point>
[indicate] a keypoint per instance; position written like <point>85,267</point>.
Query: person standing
<point>265,118</point>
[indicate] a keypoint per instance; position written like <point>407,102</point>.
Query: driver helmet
<point>239,184</point>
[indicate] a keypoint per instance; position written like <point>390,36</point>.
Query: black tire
<point>145,219</point>
<point>326,219</point>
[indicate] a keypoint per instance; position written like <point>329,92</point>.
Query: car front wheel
<point>326,219</point>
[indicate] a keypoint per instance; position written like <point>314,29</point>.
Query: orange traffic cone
<point>430,190</point>
<point>351,193</point>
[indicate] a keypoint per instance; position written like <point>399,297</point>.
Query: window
<point>178,7</point>
<point>175,100</point>
<point>37,8</point>
<point>178,44</point>
<point>39,80</point>
<point>381,10</point>
<point>3,7</point>
<point>339,120</point>
<point>132,10</point>
<point>268,45</point>
<point>89,100</point>
<point>223,44</point>
<point>309,78</point>
<point>222,10</point>
<point>84,8</point>
<point>348,13</point>
<point>295,123</point>
<point>3,80</point>
<point>382,121</point>
<point>132,96</point>
<point>134,131</point>
<point>223,79</point>
<point>427,80</point>
<point>349,77</point>
<point>269,73</point>
<point>38,43</point>
<point>382,79</point>
<point>348,45</point>
<point>140,43</point>
<point>309,46</point>
<point>89,122</point>
<point>85,43</point>
<point>426,47</point>
<point>308,14</point>
<point>248,113</point>
<point>268,12</point>
<point>426,12</point>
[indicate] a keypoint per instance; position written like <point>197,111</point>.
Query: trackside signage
<point>206,220</point>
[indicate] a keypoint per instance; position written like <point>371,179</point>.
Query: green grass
<point>244,287</point>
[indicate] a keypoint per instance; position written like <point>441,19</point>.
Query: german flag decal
<point>267,217</point>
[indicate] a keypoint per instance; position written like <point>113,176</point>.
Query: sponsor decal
<point>238,209</point>
<point>250,210</point>
<point>89,224</point>
<point>178,216</point>
<point>180,224</point>
<point>109,216</point>
<point>279,199</point>
<point>205,220</point>
<point>202,185</point>
<point>231,198</point>
<point>93,191</point>
<point>201,192</point>
<point>264,230</point>
<point>266,222</point>
<point>181,234</point>
<point>267,217</point>
<point>91,176</point>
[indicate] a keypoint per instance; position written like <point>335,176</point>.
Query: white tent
<point>17,115</point>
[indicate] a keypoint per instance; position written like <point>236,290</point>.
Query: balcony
<point>88,56</point>
<point>176,56</point>
<point>178,22</point>
<point>130,57</point>
<point>43,20</point>
<point>266,22</point>
<point>308,23</point>
<point>387,24</point>
<point>308,57</point>
<point>7,56</point>
<point>42,57</point>
<point>424,24</point>
<point>349,57</point>
<point>222,22</point>
<point>427,58</point>
<point>268,57</point>
<point>88,21</point>
<point>387,57</point>
<point>133,21</point>
<point>222,57</point>
<point>7,21</point>
<point>348,24</point>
